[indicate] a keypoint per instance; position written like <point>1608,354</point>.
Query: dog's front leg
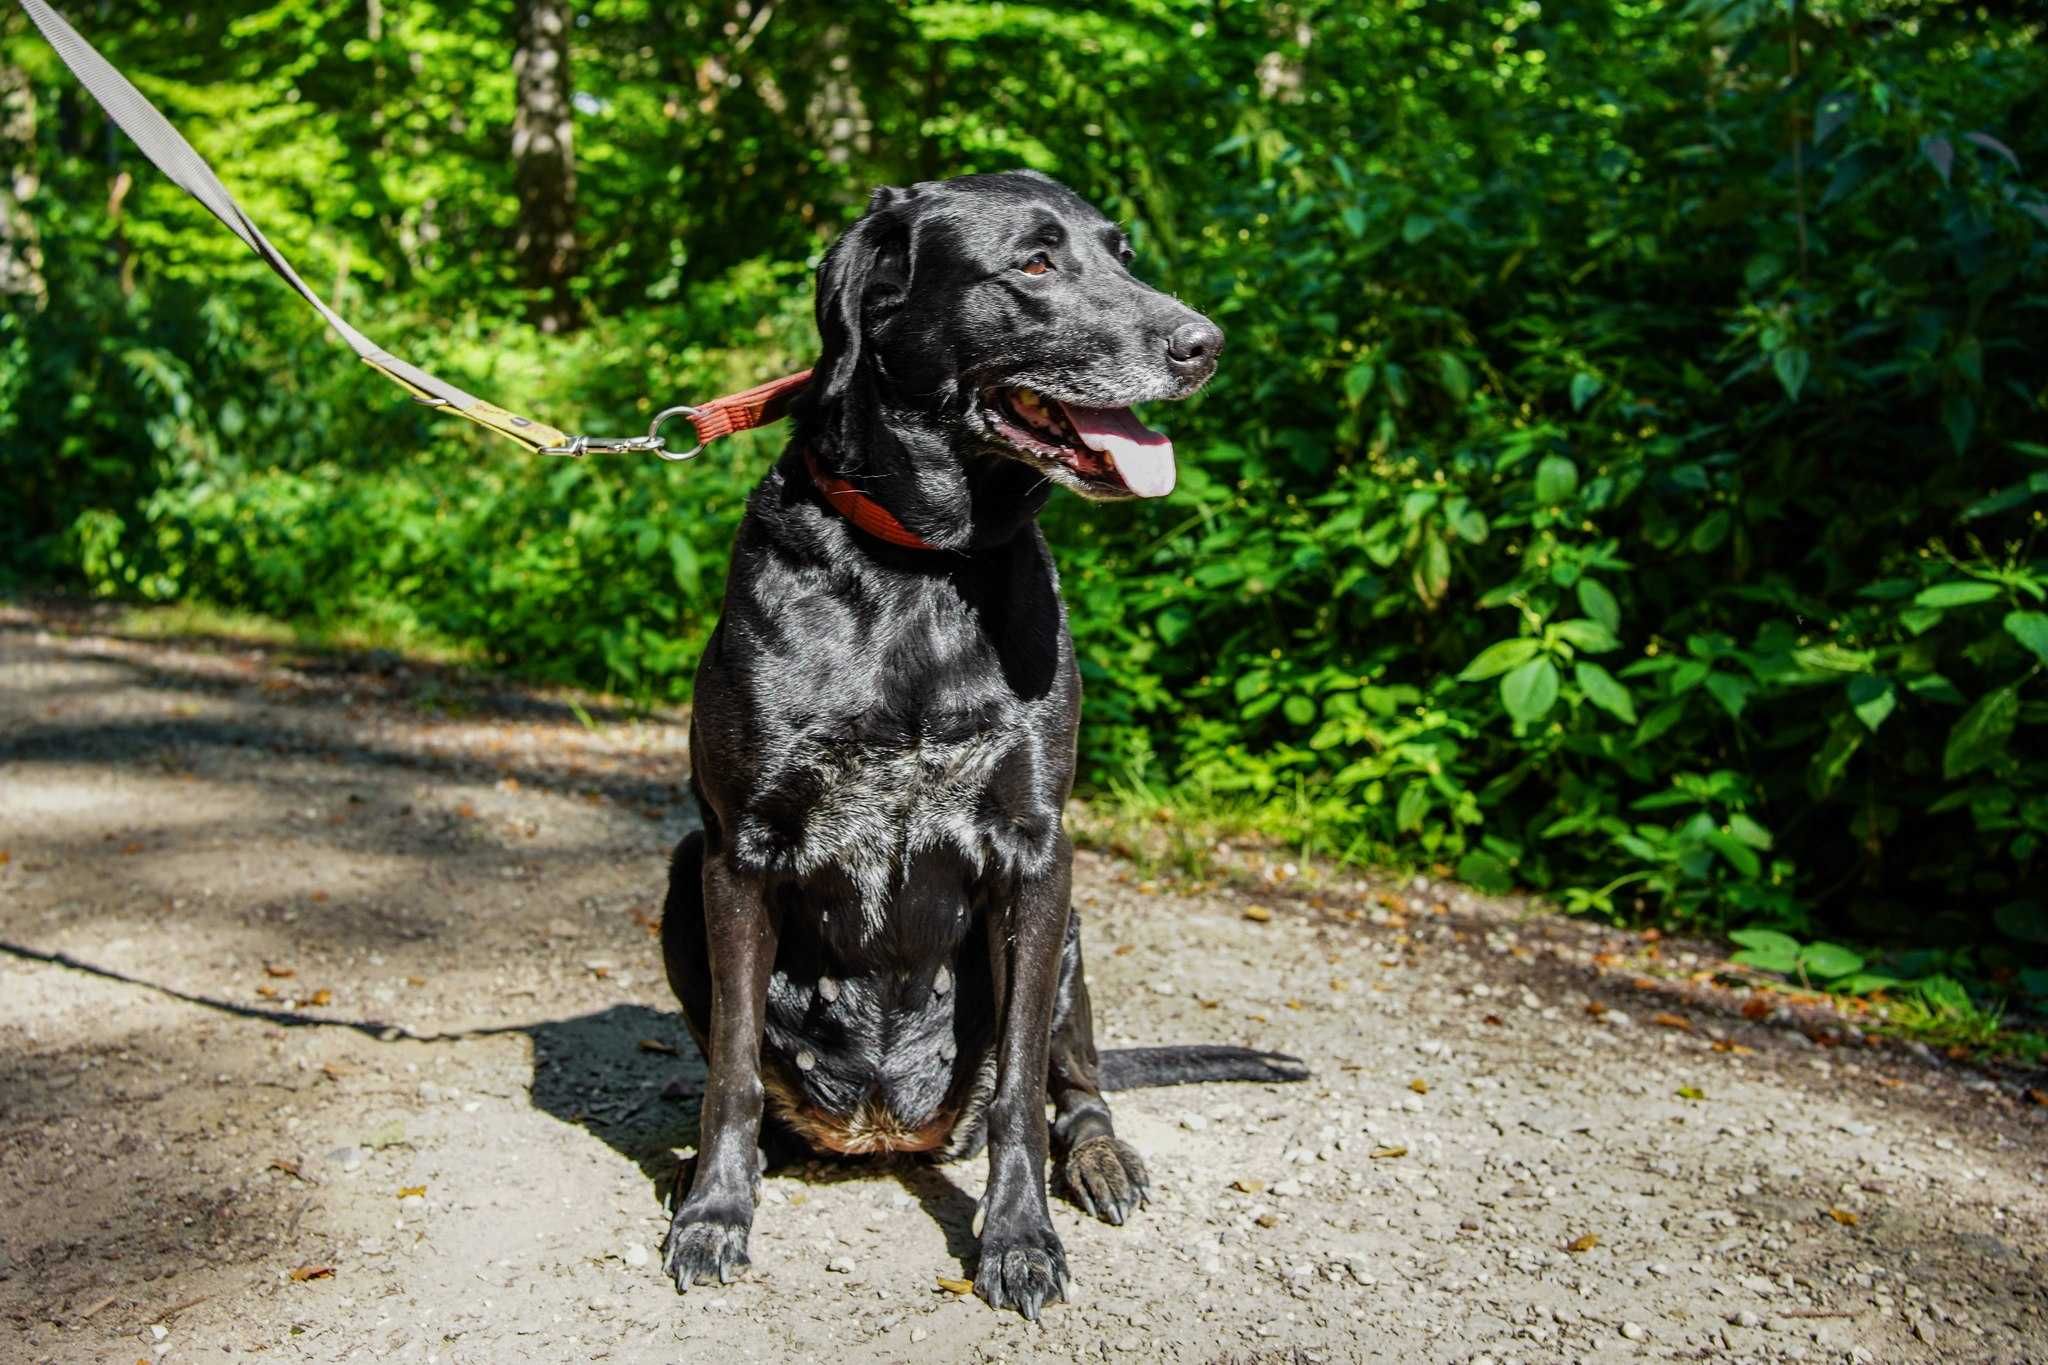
<point>707,1239</point>
<point>1023,1265</point>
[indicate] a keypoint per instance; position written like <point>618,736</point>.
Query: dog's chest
<point>909,752</point>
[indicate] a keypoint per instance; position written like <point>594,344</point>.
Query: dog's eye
<point>1037,265</point>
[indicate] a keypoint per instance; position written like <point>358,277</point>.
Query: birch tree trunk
<point>544,161</point>
<point>21,253</point>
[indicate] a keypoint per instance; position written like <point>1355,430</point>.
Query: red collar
<point>862,510</point>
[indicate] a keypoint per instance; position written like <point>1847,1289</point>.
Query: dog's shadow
<point>632,1078</point>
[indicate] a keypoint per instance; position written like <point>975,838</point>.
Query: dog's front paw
<point>1024,1273</point>
<point>704,1249</point>
<point>1107,1178</point>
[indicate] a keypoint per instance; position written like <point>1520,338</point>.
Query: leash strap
<point>175,157</point>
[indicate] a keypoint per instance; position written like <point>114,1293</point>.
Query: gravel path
<point>358,1049</point>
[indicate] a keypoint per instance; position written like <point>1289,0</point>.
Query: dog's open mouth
<point>1104,450</point>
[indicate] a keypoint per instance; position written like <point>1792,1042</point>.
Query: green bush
<point>1626,476</point>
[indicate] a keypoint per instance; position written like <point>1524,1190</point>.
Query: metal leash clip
<point>579,446</point>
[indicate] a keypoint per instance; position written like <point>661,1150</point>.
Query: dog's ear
<point>862,279</point>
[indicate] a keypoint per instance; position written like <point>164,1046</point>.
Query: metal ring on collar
<point>654,432</point>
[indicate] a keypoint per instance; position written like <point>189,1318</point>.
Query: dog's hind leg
<point>1103,1175</point>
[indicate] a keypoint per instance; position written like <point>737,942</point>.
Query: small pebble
<point>828,989</point>
<point>1634,1331</point>
<point>840,1265</point>
<point>636,1255</point>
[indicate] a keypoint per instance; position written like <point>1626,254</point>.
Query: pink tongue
<point>1143,458</point>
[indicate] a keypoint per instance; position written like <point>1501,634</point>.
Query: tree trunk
<point>21,252</point>
<point>544,161</point>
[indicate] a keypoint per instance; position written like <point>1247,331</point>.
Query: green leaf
<point>1456,379</point>
<point>1732,692</point>
<point>1486,872</point>
<point>1604,690</point>
<point>1864,983</point>
<point>1828,960</point>
<point>1791,365</point>
<point>1412,806</point>
<point>2023,920</point>
<point>1767,950</point>
<point>1749,831</point>
<point>1598,603</point>
<point>1530,690</point>
<point>1739,855</point>
<point>1980,735</point>
<point>1498,658</point>
<point>1960,592</point>
<point>1589,635</point>
<point>1585,388</point>
<point>1833,658</point>
<point>1358,380</point>
<point>2030,628</point>
<point>1872,699</point>
<point>1557,478</point>
<point>1298,709</point>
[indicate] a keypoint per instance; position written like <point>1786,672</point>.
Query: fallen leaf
<point>1419,1086</point>
<point>1723,1045</point>
<point>1595,1008</point>
<point>1677,1021</point>
<point>466,811</point>
<point>334,1071</point>
<point>1493,1019</point>
<point>1845,1218</point>
<point>288,1167</point>
<point>323,996</point>
<point>1257,914</point>
<point>131,848</point>
<point>1248,1186</point>
<point>1207,1004</point>
<point>1337,983</point>
<point>312,1272</point>
<point>1387,1153</point>
<point>5,857</point>
<point>319,896</point>
<point>1756,1007</point>
<point>2039,1097</point>
<point>415,981</point>
<point>656,1045</point>
<point>1123,950</point>
<point>410,1191</point>
<point>1296,1004</point>
<point>1646,983</point>
<point>267,992</point>
<point>281,973</point>
<point>953,1286</point>
<point>1691,1092</point>
<point>1583,1242</point>
<point>1268,1220</point>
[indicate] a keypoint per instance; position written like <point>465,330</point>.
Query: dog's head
<point>996,316</point>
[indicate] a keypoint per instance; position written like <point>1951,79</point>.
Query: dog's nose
<point>1195,341</point>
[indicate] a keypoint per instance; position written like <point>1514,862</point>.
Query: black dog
<point>872,933</point>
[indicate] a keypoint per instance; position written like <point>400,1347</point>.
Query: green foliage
<point>1624,478</point>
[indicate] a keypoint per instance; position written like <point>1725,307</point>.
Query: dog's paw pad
<point>1107,1178</point>
<point>1025,1274</point>
<point>705,1251</point>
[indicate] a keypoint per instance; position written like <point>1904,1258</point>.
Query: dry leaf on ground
<point>312,1272</point>
<point>1584,1242</point>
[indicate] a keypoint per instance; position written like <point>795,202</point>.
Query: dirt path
<point>373,989</point>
